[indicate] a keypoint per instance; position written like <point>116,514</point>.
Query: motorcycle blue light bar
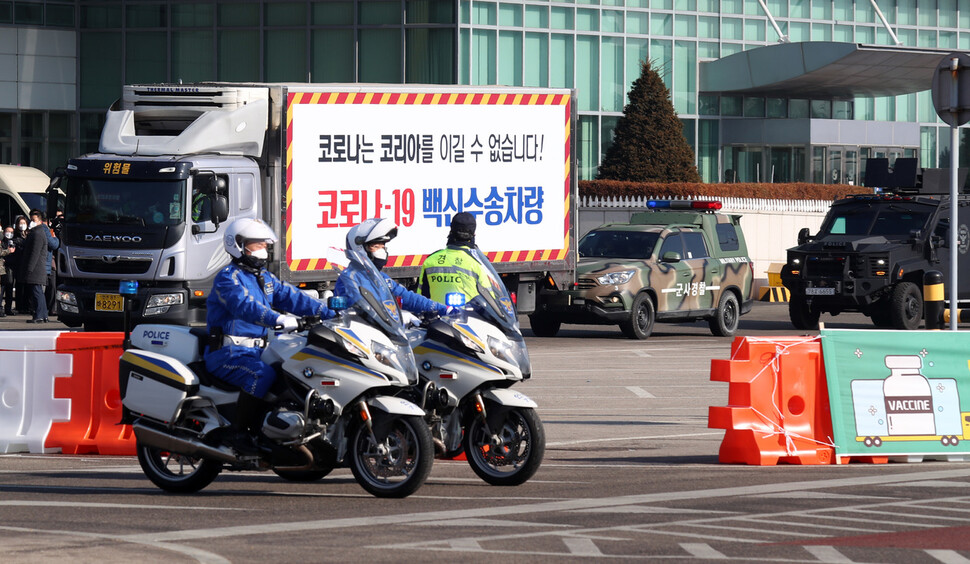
<point>684,204</point>
<point>128,287</point>
<point>337,303</point>
<point>455,299</point>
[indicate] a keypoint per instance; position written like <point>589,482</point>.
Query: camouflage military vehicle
<point>681,261</point>
<point>870,255</point>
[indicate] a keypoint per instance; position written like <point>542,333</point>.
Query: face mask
<point>8,235</point>
<point>22,226</point>
<point>32,225</point>
<point>260,254</point>
<point>379,258</point>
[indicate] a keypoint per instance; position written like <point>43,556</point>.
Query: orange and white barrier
<point>59,392</point>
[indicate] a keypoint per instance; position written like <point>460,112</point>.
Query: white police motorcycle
<point>467,363</point>
<point>334,401</point>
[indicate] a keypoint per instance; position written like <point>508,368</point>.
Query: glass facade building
<point>594,46</point>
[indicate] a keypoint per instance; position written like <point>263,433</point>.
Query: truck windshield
<point>894,221</point>
<point>618,244</point>
<point>126,202</point>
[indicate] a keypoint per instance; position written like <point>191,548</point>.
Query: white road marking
<point>581,546</point>
<point>828,495</point>
<point>640,392</point>
<point>708,525</point>
<point>465,544</point>
<point>702,550</point>
<point>947,556</point>
<point>773,520</point>
<point>78,504</point>
<point>614,439</point>
<point>653,510</point>
<point>948,484</point>
<point>909,515</point>
<point>487,523</point>
<point>643,354</point>
<point>827,554</point>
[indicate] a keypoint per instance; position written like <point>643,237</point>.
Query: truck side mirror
<point>220,208</point>
<point>804,235</point>
<point>670,256</point>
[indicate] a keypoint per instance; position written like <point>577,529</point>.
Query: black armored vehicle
<point>870,255</point>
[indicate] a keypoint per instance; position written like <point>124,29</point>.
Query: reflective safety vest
<point>451,269</point>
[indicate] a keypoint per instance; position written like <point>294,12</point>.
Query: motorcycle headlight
<point>388,356</point>
<point>352,348</point>
<point>470,344</point>
<point>501,350</point>
<point>616,278</point>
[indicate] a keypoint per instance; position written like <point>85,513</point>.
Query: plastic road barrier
<point>28,406</point>
<point>778,403</point>
<point>95,399</point>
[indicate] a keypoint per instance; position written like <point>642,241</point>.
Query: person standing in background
<point>50,290</point>
<point>36,263</point>
<point>6,273</point>
<point>20,289</point>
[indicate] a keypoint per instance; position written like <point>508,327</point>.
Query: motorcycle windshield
<point>493,300</point>
<point>375,302</point>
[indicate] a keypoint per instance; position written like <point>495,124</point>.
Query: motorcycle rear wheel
<point>175,472</point>
<point>518,457</point>
<point>404,467</point>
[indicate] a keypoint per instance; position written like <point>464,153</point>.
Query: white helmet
<point>376,230</point>
<point>244,231</point>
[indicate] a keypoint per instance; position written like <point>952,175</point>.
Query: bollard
<point>963,316</point>
<point>933,299</point>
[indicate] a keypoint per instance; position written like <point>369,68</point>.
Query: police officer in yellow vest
<point>453,269</point>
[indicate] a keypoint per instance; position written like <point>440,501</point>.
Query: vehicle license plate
<point>108,302</point>
<point>819,291</point>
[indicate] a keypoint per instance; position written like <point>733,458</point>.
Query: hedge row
<point>791,191</point>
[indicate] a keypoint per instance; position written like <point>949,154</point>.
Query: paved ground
<point>630,473</point>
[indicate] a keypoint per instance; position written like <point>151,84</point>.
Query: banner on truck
<point>420,158</point>
<point>898,392</point>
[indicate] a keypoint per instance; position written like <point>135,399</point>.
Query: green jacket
<point>452,269</point>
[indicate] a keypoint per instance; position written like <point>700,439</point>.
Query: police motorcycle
<point>334,402</point>
<point>467,362</point>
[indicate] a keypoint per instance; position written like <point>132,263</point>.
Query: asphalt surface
<point>630,473</point>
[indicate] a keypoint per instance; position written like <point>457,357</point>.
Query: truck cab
<point>870,255</point>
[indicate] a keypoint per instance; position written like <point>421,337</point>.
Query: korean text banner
<point>420,158</point>
<point>898,392</point>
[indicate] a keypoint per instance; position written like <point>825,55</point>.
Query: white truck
<point>177,163</point>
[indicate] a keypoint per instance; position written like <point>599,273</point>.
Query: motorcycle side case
<point>153,384</point>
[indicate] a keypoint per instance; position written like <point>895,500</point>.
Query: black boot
<point>247,424</point>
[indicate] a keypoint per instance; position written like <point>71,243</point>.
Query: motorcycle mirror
<point>337,303</point>
<point>455,299</point>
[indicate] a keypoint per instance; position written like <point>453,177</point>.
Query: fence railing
<point>730,204</point>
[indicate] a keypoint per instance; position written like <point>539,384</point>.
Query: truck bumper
<point>76,306</point>
<point>854,294</point>
<point>577,307</point>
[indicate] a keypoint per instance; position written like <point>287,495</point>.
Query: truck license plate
<point>819,291</point>
<point>108,302</point>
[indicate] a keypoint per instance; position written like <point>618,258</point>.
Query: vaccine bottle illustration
<point>909,399</point>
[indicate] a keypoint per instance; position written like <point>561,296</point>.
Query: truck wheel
<point>906,306</point>
<point>725,321</point>
<point>640,324</point>
<point>543,326</point>
<point>802,316</point>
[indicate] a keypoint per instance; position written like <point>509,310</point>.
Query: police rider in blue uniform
<point>371,237</point>
<point>241,309</point>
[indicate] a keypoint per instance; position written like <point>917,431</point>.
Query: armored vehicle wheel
<point>725,322</point>
<point>175,472</point>
<point>802,316</point>
<point>542,326</point>
<point>640,324</point>
<point>881,316</point>
<point>906,306</point>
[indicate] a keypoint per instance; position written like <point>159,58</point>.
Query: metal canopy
<point>825,70</point>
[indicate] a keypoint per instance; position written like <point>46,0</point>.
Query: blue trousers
<point>241,367</point>
<point>38,300</point>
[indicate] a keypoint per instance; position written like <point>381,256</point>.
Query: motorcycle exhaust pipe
<point>152,437</point>
<point>309,461</point>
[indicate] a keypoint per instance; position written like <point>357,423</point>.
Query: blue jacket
<point>351,279</point>
<point>239,306</point>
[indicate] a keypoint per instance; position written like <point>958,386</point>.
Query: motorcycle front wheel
<point>522,443</point>
<point>398,464</point>
<point>175,472</point>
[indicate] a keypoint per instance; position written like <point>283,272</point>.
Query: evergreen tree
<point>648,143</point>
